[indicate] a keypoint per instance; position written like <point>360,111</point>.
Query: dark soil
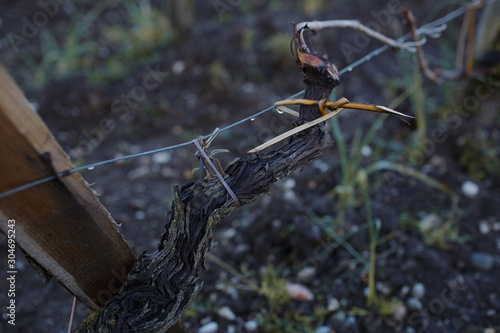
<point>225,68</point>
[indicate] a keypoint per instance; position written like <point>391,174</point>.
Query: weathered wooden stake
<point>60,224</point>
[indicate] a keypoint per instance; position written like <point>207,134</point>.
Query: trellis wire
<point>429,29</point>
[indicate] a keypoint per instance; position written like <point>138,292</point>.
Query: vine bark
<point>162,285</point>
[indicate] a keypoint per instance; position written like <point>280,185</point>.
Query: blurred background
<point>395,229</point>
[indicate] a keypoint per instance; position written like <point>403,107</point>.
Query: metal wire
<point>425,29</point>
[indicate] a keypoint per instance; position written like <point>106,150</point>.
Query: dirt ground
<point>437,255</point>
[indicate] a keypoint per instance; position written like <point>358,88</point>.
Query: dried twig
<point>466,41</point>
<point>469,60</point>
<point>72,316</point>
<point>207,160</point>
<point>295,131</point>
<point>462,38</point>
<point>358,26</point>
<point>335,107</point>
<point>284,109</point>
<point>422,62</point>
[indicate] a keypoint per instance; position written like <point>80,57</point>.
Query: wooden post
<point>60,224</point>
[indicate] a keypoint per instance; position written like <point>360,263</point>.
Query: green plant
<point>374,231</point>
<point>150,28</point>
<point>273,288</point>
<point>479,154</point>
<point>67,57</point>
<point>353,184</point>
<point>434,231</point>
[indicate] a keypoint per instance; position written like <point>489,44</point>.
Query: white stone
<point>251,325</point>
<point>418,290</point>
<point>404,291</point>
<point>289,195</point>
<point>289,184</point>
<point>226,313</point>
<point>140,215</point>
<point>430,222</point>
<point>299,292</point>
<point>399,312</point>
<point>323,329</point>
<point>383,288</point>
<point>366,151</point>
<point>162,157</point>
<point>333,304</point>
<point>484,227</point>
<point>470,189</point>
<point>211,327</point>
<point>306,274</point>
<point>414,304</point>
<point>178,67</point>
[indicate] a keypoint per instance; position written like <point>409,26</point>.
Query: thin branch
<point>462,37</point>
<point>466,41</point>
<point>216,172</point>
<point>358,26</point>
<point>72,315</point>
<point>422,62</point>
<point>336,107</point>
<point>469,61</point>
<point>296,130</point>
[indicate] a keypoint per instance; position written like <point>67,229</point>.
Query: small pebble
<point>428,223</point>
<point>289,196</point>
<point>323,329</point>
<point>277,224</point>
<point>491,313</point>
<point>439,163</point>
<point>226,312</point>
<point>299,292</point>
<point>366,291</point>
<point>162,158</point>
<point>228,233</point>
<point>178,67</point>
<point>289,184</point>
<point>140,215</point>
<point>306,274</point>
<point>241,249</point>
<point>482,260</point>
<point>251,325</point>
<point>410,329</point>
<point>366,151</point>
<point>350,321</point>
<point>211,327</point>
<point>414,304</point>
<point>470,189</point>
<point>333,304</point>
<point>484,227</point>
<point>496,226</point>
<point>340,315</point>
<point>404,291</point>
<point>383,288</point>
<point>321,166</point>
<point>399,311</point>
<point>248,87</point>
<point>418,290</point>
